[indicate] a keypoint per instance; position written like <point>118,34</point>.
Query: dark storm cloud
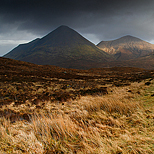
<point>96,19</point>
<point>45,14</point>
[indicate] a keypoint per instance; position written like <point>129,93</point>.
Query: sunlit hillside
<point>66,111</point>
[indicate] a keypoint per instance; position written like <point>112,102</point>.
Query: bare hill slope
<point>127,47</point>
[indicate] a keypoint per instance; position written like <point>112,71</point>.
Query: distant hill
<point>63,47</point>
<point>145,62</point>
<point>126,48</point>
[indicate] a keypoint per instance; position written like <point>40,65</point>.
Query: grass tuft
<point>107,124</point>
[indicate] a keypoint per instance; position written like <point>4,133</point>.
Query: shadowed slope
<point>62,47</point>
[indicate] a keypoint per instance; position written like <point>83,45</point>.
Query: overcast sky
<point>22,21</point>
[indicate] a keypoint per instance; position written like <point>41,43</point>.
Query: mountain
<point>126,48</point>
<point>145,62</point>
<point>63,47</point>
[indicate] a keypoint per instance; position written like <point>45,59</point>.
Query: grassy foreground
<point>121,122</point>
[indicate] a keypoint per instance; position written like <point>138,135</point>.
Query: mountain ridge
<point>126,48</point>
<point>62,47</point>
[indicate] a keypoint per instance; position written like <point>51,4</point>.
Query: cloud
<point>12,38</point>
<point>95,19</point>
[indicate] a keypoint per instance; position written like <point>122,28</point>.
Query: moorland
<point>47,109</point>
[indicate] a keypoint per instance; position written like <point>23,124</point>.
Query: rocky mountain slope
<point>126,48</point>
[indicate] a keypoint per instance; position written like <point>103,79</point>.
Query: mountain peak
<point>126,47</point>
<point>63,26</point>
<point>60,30</point>
<point>63,36</point>
<point>62,47</point>
<point>129,38</point>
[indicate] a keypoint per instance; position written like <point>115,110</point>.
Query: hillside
<point>126,48</point>
<point>46,109</point>
<point>62,47</point>
<point>145,62</point>
<point>23,76</point>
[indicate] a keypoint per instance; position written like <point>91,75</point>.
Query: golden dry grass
<point>117,123</point>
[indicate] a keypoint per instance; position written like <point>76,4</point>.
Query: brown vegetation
<point>47,110</point>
